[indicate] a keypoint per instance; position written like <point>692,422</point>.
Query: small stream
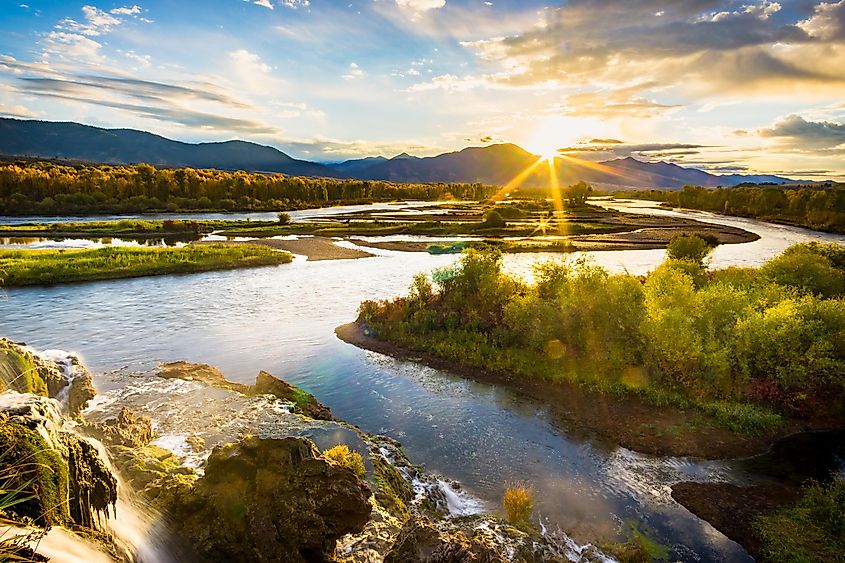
<point>281,319</point>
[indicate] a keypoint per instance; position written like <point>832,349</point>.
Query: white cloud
<point>99,19</point>
<point>264,3</point>
<point>127,10</point>
<point>72,46</point>
<point>420,5</point>
<point>353,72</point>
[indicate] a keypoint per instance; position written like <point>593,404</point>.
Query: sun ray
<point>516,181</point>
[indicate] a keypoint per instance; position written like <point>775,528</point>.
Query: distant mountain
<point>496,164</point>
<point>73,141</point>
<point>352,166</point>
<point>493,164</point>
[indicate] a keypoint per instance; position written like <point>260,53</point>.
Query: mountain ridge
<point>492,164</point>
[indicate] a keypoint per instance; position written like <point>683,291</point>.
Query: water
<point>281,319</point>
<point>296,215</point>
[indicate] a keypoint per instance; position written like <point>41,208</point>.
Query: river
<point>281,319</point>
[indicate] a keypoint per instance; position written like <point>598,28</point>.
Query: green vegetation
<point>342,455</point>
<point>747,347</point>
<point>691,248</point>
<point>34,267</point>
<point>49,188</point>
<point>813,530</point>
<point>814,207</point>
<point>518,502</point>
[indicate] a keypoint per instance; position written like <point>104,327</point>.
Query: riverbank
<point>45,267</point>
<point>629,422</point>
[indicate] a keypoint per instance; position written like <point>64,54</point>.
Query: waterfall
<point>137,528</point>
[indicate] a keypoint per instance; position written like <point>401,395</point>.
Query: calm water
<point>281,319</point>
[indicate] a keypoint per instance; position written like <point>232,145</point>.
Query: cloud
<point>293,4</point>
<point>127,10</point>
<point>420,5</point>
<point>606,149</point>
<point>796,132</point>
<point>691,45</point>
<point>354,72</point>
<point>263,3</point>
<point>72,46</point>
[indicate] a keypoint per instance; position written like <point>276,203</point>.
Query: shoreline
<point>628,422</point>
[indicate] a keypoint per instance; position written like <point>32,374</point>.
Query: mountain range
<point>493,164</point>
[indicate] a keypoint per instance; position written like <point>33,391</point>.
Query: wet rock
<point>203,373</point>
<point>271,500</point>
<point>421,542</point>
<point>126,429</point>
<point>303,402</point>
<point>69,481</point>
<point>60,377</point>
<point>157,474</point>
<point>265,384</point>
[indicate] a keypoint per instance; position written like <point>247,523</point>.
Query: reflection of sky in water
<point>281,319</point>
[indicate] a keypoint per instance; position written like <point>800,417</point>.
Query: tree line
<point>48,187</point>
<point>820,208</point>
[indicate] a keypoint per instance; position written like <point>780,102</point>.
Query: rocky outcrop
<point>303,402</point>
<point>60,376</point>
<point>69,482</point>
<point>126,429</point>
<point>271,500</point>
<point>265,384</point>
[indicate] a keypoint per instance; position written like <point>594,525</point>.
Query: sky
<point>748,86</point>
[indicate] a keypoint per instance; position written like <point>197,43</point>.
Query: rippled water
<point>281,319</point>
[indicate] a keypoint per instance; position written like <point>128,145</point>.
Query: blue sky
<point>727,86</point>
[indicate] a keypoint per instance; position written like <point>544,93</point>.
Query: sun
<point>553,133</point>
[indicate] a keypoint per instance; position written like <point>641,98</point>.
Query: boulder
<point>271,500</point>
<point>303,402</point>
<point>126,429</point>
<point>420,541</point>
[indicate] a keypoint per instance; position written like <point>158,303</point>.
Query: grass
<point>44,267</point>
<point>518,503</point>
<point>811,530</point>
<point>342,455</point>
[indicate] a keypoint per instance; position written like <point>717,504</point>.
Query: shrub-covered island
<point>734,355</point>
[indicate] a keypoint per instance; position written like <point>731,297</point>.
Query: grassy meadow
<point>44,267</point>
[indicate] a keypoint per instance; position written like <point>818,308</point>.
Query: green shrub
<point>692,248</point>
<point>342,455</point>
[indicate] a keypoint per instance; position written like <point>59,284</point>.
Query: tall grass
<point>16,487</point>
<point>518,503</point>
<point>42,267</point>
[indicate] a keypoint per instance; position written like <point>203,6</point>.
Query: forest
<point>44,188</point>
<point>819,208</point>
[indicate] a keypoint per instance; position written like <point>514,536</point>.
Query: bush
<point>811,530</point>
<point>805,268</point>
<point>692,248</point>
<point>518,502</point>
<point>342,455</point>
<point>284,218</point>
<point>494,220</point>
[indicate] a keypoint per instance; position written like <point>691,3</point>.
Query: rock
<point>421,542</point>
<point>127,429</point>
<point>69,481</point>
<point>265,384</point>
<point>303,402</point>
<point>157,474</point>
<point>203,373</point>
<point>61,376</point>
<point>271,500</point>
